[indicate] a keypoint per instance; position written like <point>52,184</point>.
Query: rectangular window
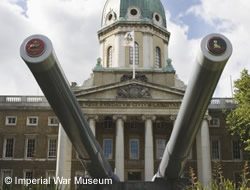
<point>5,173</point>
<point>9,147</point>
<point>108,123</point>
<point>52,148</point>
<point>215,149</point>
<point>30,148</point>
<point>32,121</point>
<point>215,122</point>
<point>10,120</point>
<point>53,121</point>
<point>134,149</point>
<point>28,174</point>
<point>107,148</point>
<point>160,147</point>
<point>236,150</point>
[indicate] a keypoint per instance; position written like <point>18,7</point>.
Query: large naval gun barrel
<point>215,50</point>
<point>38,53</point>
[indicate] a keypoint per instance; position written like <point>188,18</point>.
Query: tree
<point>238,120</point>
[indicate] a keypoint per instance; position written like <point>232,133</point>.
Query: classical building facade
<point>132,118</point>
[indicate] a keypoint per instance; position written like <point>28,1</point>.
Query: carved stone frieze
<point>133,91</point>
<point>142,78</point>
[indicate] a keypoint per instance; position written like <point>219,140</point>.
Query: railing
<point>219,102</point>
<point>22,100</point>
<point>222,103</point>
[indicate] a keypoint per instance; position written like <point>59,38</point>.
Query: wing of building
<point>131,117</point>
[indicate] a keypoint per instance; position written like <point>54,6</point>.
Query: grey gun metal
<point>38,53</point>
<point>214,52</point>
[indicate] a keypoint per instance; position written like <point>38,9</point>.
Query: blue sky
<point>66,22</point>
<point>178,10</point>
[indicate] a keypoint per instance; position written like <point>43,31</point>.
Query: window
<point>134,149</point>
<point>52,121</point>
<point>107,148</point>
<point>215,149</point>
<point>160,147</point>
<point>236,149</point>
<point>111,16</point>
<point>159,124</point>
<point>28,174</point>
<point>136,54</point>
<point>215,122</point>
<point>134,13</point>
<point>157,19</point>
<point>32,121</point>
<point>133,123</point>
<point>108,122</point>
<point>9,147</point>
<point>10,120</point>
<point>109,58</point>
<point>157,57</point>
<point>5,173</point>
<point>52,144</point>
<point>30,148</point>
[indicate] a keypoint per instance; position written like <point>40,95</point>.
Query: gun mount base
<point>158,184</point>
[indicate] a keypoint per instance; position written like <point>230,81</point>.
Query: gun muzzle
<point>38,53</point>
<point>215,50</point>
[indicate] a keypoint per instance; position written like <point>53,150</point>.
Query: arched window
<point>109,58</point>
<point>136,54</point>
<point>157,57</point>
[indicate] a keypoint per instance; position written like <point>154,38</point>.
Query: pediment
<point>132,89</point>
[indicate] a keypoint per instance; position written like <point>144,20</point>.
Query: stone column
<point>203,154</point>
<point>92,122</point>
<point>173,118</point>
<point>149,150</point>
<point>102,54</point>
<point>165,56</point>
<point>119,57</point>
<point>64,155</point>
<point>119,148</point>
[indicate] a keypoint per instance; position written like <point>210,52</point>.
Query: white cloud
<point>231,17</point>
<point>71,25</point>
<point>181,50</point>
<point>228,17</point>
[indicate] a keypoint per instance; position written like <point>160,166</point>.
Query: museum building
<point>131,117</point>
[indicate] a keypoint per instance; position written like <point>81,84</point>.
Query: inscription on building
<point>169,105</point>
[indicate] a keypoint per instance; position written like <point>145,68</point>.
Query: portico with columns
<point>147,129</point>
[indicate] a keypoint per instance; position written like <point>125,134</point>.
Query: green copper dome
<point>151,11</point>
